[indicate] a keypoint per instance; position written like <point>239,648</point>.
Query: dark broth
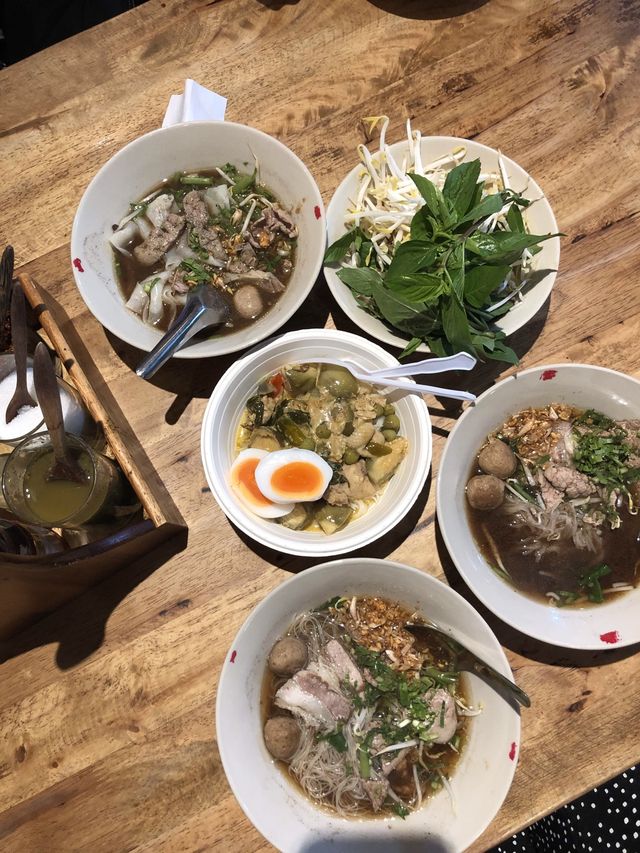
<point>129,271</point>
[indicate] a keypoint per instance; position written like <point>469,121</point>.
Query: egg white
<point>271,510</point>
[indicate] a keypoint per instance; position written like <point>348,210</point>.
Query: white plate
<point>585,386</point>
<point>277,808</point>
<point>539,218</point>
<point>222,418</point>
<point>142,164</point>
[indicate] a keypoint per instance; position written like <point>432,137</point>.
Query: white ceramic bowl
<point>539,218</point>
<point>585,386</point>
<point>277,809</point>
<point>141,164</point>
<point>222,417</point>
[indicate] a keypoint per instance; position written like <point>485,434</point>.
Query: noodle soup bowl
<point>447,823</point>
<point>584,386</point>
<point>223,417</point>
<point>142,164</point>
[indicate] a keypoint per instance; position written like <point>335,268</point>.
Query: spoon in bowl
<point>468,661</point>
<point>204,307</point>
<point>21,396</point>
<point>65,467</point>
<point>383,376</point>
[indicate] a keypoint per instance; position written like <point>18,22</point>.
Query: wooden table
<point>114,749</point>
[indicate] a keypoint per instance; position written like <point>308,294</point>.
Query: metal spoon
<point>470,662</point>
<point>21,396</point>
<point>205,307</point>
<point>65,467</point>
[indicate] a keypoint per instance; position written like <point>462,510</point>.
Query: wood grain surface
<point>108,733</point>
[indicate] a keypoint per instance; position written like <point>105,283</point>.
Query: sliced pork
<point>310,697</point>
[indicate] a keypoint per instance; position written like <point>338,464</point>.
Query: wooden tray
<point>34,585</point>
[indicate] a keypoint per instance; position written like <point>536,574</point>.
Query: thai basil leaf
<point>430,193</point>
<point>481,281</point>
<point>410,348</point>
<point>515,220</point>
<point>455,269</point>
<point>416,318</point>
<point>455,324</point>
<point>341,246</point>
<point>360,279</point>
<point>503,247</point>
<point>417,287</point>
<point>490,204</point>
<point>460,186</point>
<point>412,256</point>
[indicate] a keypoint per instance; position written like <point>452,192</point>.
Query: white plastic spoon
<point>460,361</point>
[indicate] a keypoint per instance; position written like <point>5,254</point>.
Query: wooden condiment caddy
<point>35,585</point>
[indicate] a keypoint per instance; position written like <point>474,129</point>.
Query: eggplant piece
<point>382,468</point>
<point>299,518</point>
<point>301,379</point>
<point>265,438</point>
<point>333,518</point>
<point>338,381</point>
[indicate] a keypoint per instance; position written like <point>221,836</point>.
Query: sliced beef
<point>266,281</point>
<point>308,696</point>
<point>376,790</point>
<point>443,705</point>
<point>573,483</point>
<point>159,240</point>
<point>550,495</point>
<point>195,209</point>
<point>340,660</point>
<point>401,777</point>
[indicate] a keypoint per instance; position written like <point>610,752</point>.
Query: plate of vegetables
<point>440,244</point>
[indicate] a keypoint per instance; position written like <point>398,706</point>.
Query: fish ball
<point>287,656</point>
<point>248,302</point>
<point>497,458</point>
<point>281,737</point>
<point>485,492</point>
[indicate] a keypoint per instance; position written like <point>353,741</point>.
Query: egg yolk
<point>296,478</point>
<point>244,480</point>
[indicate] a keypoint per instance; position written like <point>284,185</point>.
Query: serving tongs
<point>468,661</point>
<point>386,375</point>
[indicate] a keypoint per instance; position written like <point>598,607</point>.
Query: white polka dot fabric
<point>607,819</point>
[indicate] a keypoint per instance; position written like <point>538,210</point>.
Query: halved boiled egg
<point>293,475</point>
<point>243,483</point>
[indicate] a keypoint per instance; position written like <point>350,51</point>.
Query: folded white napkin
<point>196,104</point>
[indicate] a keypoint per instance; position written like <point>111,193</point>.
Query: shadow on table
<point>428,10</point>
<point>379,549</point>
<point>189,378</point>
<point>521,643</point>
<point>367,844</point>
<point>79,626</point>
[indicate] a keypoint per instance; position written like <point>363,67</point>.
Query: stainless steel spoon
<point>64,467</point>
<point>470,662</point>
<point>21,396</point>
<point>205,307</point>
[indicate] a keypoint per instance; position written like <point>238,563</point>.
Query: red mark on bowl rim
<point>512,751</point>
<point>78,264</point>
<point>610,637</point>
<point>548,374</point>
<point>317,211</point>
<point>233,656</point>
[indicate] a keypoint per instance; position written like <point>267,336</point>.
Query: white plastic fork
<point>459,361</point>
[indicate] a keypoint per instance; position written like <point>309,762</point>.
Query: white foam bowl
<point>277,808</point>
<point>142,164</point>
<point>538,217</point>
<point>611,624</point>
<point>222,418</point>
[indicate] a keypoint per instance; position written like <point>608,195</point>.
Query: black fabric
<point>607,820</point>
<point>31,25</point>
